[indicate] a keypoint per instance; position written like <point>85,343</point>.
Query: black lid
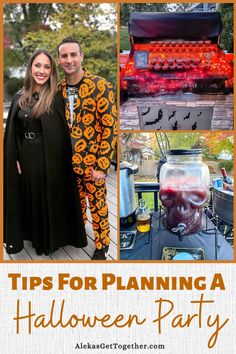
<point>187,25</point>
<point>132,168</point>
<point>185,152</point>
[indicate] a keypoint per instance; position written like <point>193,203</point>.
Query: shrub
<point>228,164</point>
<point>13,85</point>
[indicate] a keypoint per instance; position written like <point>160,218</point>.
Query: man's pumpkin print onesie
<point>93,136</point>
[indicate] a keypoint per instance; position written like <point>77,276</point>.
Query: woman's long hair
<point>47,92</point>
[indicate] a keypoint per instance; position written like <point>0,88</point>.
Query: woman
<point>41,201</point>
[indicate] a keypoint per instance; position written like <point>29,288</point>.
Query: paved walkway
<point>222,113</point>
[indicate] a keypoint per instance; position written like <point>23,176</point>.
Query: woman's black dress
<point>42,203</point>
<point>33,181</point>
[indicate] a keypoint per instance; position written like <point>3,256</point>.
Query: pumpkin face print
<point>88,119</point>
<point>111,97</point>
<point>109,85</point>
<point>102,104</point>
<point>96,218</point>
<point>64,92</point>
<point>106,133</point>
<point>104,223</point>
<point>67,114</point>
<point>105,147</point>
<point>77,104</point>
<point>91,188</point>
<point>96,226</point>
<point>115,129</point>
<point>80,145</point>
<point>99,204</point>
<point>89,104</point>
<point>89,159</point>
<point>100,193</point>
<point>103,163</point>
<point>101,84</point>
<point>94,148</point>
<point>91,86</point>
<point>103,211</point>
<point>107,120</point>
<point>98,127</point>
<point>83,91</point>
<point>89,133</point>
<point>92,208</point>
<point>78,170</point>
<point>96,234</point>
<point>113,143</point>
<point>77,159</point>
<point>76,132</point>
<point>114,110</point>
<point>78,118</point>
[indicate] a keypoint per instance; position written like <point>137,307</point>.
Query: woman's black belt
<point>31,135</point>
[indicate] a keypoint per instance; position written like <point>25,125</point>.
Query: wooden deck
<point>70,253</point>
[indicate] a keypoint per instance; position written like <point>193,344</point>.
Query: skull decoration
<point>183,200</point>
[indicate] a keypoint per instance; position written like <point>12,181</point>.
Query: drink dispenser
<point>127,193</point>
<point>184,188</point>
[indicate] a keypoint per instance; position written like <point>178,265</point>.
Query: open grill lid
<point>144,26</point>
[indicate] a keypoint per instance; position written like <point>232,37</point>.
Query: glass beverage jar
<point>184,188</point>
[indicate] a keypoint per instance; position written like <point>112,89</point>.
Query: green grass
<point>124,39</point>
<point>149,199</point>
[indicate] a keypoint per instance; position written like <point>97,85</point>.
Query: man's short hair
<point>69,40</point>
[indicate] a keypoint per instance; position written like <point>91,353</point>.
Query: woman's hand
<point>18,167</point>
<point>98,176</point>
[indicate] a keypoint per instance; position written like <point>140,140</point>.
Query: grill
<point>176,52</point>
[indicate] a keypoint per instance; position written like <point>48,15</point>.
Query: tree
<point>227,36</point>
<point>84,21</point>
<point>127,8</point>
<point>18,20</point>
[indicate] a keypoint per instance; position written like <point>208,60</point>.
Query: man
<point>91,116</point>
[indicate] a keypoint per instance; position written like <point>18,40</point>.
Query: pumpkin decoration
<point>89,132</point>
<point>115,131</point>
<point>96,218</point>
<point>78,170</point>
<point>88,119</point>
<point>89,160</point>
<point>98,127</point>
<point>103,163</point>
<point>94,148</point>
<point>109,85</point>
<point>78,118</point>
<point>77,104</point>
<point>107,120</point>
<point>80,145</point>
<point>91,188</point>
<point>105,233</point>
<point>105,147</point>
<point>100,193</point>
<point>96,226</point>
<point>103,211</point>
<point>104,223</point>
<point>67,114</point>
<point>89,104</point>
<point>101,84</point>
<point>111,97</point>
<point>96,234</point>
<point>92,208</point>
<point>99,204</point>
<point>77,158</point>
<point>76,132</point>
<point>83,90</point>
<point>102,104</point>
<point>114,110</point>
<point>91,86</point>
<point>106,133</point>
